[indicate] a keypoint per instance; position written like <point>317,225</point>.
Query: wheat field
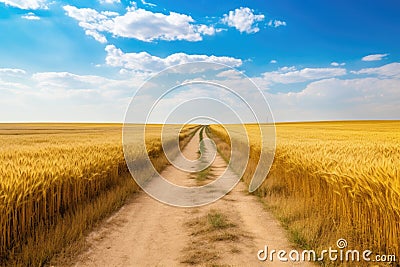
<point>57,180</point>
<point>329,180</point>
<point>332,180</point>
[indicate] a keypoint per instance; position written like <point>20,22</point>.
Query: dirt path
<point>146,232</point>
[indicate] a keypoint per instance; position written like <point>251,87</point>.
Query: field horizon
<point>122,123</point>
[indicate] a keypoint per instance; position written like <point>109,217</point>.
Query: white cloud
<point>148,4</point>
<point>336,64</point>
<point>276,23</point>
<point>12,71</point>
<point>144,62</point>
<point>335,99</point>
<point>287,69</point>
<point>110,1</point>
<point>26,4</point>
<point>12,79</point>
<point>30,16</point>
<point>8,87</point>
<point>64,96</point>
<point>287,75</point>
<point>273,61</point>
<point>231,74</point>
<point>243,19</point>
<point>66,79</point>
<point>388,70</point>
<point>91,20</point>
<point>139,24</point>
<point>374,57</point>
<point>97,36</point>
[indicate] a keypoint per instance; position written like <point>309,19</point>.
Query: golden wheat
<point>333,179</point>
<point>47,171</point>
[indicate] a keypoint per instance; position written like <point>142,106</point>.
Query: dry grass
<point>213,233</point>
<point>334,180</point>
<point>57,180</point>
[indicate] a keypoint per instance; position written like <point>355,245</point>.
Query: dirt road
<point>229,231</point>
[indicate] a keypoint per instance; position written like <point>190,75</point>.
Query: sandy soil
<point>146,232</point>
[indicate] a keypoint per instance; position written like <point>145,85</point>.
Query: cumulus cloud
<point>288,75</point>
<point>273,61</point>
<point>11,71</point>
<point>374,57</point>
<point>388,70</point>
<point>110,1</point>
<point>231,74</point>
<point>26,4</point>
<point>148,4</point>
<point>144,62</point>
<point>336,99</point>
<point>66,79</point>
<point>64,96</point>
<point>97,36</point>
<point>276,23</point>
<point>12,79</point>
<point>30,16</point>
<point>243,19</point>
<point>139,24</point>
<point>336,64</point>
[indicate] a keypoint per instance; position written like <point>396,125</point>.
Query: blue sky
<point>313,60</point>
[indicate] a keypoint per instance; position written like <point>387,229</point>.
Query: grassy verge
<point>205,174</point>
<point>212,233</point>
<point>223,148</point>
